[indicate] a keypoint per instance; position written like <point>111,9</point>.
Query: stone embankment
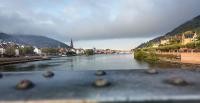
<point>188,58</point>
<point>6,61</point>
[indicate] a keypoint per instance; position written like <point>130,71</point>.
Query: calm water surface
<point>96,62</point>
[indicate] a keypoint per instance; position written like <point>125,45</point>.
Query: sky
<point>116,24</point>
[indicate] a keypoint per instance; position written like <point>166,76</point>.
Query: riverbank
<point>180,60</point>
<point>178,64</point>
<point>15,60</point>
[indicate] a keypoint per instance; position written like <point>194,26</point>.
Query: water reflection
<point>96,62</point>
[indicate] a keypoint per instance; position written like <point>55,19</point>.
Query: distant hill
<point>38,41</point>
<point>192,25</point>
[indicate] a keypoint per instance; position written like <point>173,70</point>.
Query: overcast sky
<point>96,23</point>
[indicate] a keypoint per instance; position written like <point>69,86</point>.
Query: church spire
<point>71,44</point>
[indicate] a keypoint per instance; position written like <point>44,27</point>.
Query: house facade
<point>156,45</point>
<point>37,51</point>
<point>80,51</point>
<point>2,50</point>
<point>164,41</point>
<point>188,37</point>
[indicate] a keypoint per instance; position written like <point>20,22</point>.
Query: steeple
<point>71,44</point>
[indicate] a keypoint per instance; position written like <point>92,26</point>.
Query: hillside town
<point>180,48</point>
<point>182,39</point>
<point>11,49</point>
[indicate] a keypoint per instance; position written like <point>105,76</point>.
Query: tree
<point>89,52</point>
<point>26,50</point>
<point>10,51</point>
<point>50,50</point>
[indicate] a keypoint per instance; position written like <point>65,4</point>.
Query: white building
<point>16,52</point>
<point>164,41</point>
<point>80,51</point>
<point>2,50</point>
<point>37,51</point>
<point>155,45</point>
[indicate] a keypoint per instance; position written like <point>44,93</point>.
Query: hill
<point>39,41</point>
<point>191,25</point>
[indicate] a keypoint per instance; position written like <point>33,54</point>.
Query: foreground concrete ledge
<point>126,85</point>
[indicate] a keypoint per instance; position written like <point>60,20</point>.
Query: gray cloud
<point>95,19</point>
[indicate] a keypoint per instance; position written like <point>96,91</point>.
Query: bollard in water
<point>177,81</point>
<point>48,74</point>
<point>24,85</point>
<point>100,73</point>
<point>101,83</point>
<point>152,71</point>
<point>1,75</point>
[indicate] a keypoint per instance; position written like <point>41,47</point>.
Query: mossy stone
<point>177,81</point>
<point>151,71</point>
<point>48,74</point>
<point>24,85</point>
<point>100,73</point>
<point>101,83</point>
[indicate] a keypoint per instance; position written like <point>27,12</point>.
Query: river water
<point>95,62</point>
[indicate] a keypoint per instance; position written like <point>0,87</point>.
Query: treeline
<point>148,55</point>
<point>167,48</point>
<point>13,51</point>
<point>50,51</point>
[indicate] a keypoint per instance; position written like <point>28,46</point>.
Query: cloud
<point>95,19</point>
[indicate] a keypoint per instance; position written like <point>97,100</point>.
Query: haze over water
<point>95,62</point>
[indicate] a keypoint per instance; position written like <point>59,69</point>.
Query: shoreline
<point>179,63</point>
<point>16,60</point>
<point>180,60</point>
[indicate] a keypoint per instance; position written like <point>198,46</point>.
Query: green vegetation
<point>168,48</point>
<point>89,52</point>
<point>50,51</point>
<point>26,50</point>
<point>70,53</point>
<point>147,55</point>
<point>13,51</point>
<point>10,51</point>
<point>194,45</point>
<point>174,41</point>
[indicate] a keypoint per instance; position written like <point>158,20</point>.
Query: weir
<point>125,86</point>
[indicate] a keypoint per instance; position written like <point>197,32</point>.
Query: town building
<point>164,41</point>
<point>17,52</point>
<point>71,44</point>
<point>2,50</point>
<point>80,51</point>
<point>37,51</point>
<point>188,37</point>
<point>156,45</point>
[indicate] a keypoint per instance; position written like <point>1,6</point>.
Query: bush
<point>26,50</point>
<point>89,52</point>
<point>51,51</point>
<point>140,54</point>
<point>10,52</point>
<point>144,55</point>
<point>169,47</point>
<point>70,53</point>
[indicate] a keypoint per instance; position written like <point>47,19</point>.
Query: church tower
<point>71,44</point>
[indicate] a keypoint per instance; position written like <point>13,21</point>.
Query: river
<point>95,62</point>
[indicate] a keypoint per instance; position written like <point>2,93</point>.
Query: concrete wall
<point>193,58</point>
<point>187,57</point>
